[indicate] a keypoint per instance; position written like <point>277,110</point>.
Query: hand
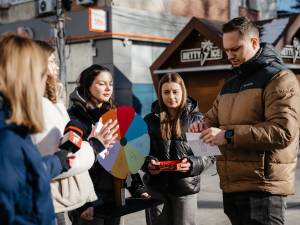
<point>198,127</point>
<point>153,167</point>
<point>184,166</point>
<point>70,158</point>
<point>213,136</point>
<point>88,214</point>
<point>107,134</point>
<point>145,195</point>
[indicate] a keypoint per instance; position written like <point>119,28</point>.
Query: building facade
<point>136,32</point>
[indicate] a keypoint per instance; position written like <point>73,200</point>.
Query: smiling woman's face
<point>102,87</point>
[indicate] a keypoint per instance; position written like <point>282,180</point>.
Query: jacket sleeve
<point>7,197</point>
<point>281,109</point>
<point>84,159</point>
<point>211,117</point>
<point>200,164</point>
<point>52,165</point>
<point>137,186</point>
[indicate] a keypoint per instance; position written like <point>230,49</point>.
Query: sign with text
<point>207,52</point>
<point>97,20</point>
<point>292,51</point>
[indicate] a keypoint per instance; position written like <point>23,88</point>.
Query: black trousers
<point>254,208</point>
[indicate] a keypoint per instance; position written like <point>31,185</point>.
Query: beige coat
<point>73,188</point>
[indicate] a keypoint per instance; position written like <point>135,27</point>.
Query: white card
<point>200,148</point>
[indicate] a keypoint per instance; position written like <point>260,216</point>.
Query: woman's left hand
<point>184,166</point>
<point>145,195</point>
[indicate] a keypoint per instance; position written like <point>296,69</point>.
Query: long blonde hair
<point>171,126</point>
<point>51,90</point>
<point>22,66</point>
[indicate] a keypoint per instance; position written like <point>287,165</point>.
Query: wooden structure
<point>197,55</point>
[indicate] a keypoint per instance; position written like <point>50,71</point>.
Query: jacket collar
<point>266,55</point>
<point>4,115</point>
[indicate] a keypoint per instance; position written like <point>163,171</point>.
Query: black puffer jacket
<point>102,180</point>
<point>176,183</point>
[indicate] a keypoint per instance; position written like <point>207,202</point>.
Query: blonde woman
<point>25,196</point>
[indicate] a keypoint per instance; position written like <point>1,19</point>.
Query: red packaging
<point>170,165</point>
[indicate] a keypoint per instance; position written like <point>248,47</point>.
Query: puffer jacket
<point>261,103</point>
<point>176,183</point>
<point>25,197</point>
<point>102,180</point>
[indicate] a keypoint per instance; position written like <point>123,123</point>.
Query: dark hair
<point>241,24</point>
<point>86,79</point>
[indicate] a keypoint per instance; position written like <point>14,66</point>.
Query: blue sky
<point>286,5</point>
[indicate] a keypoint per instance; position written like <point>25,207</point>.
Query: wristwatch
<point>229,136</point>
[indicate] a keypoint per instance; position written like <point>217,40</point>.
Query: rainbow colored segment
<point>133,143</point>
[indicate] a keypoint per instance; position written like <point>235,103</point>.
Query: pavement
<point>210,207</point>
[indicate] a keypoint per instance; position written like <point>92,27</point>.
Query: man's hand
<point>197,127</point>
<point>213,136</point>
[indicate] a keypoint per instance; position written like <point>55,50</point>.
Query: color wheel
<point>132,146</point>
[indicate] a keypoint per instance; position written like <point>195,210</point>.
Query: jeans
<point>254,208</point>
<point>175,210</point>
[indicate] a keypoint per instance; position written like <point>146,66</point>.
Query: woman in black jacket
<point>167,124</point>
<point>90,100</point>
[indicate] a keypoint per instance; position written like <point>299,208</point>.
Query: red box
<point>170,165</point>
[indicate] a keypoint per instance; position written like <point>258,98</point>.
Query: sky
<point>286,5</point>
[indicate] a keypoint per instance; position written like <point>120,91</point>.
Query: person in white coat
<point>73,188</point>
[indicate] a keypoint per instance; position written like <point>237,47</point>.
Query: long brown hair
<point>22,67</point>
<point>51,90</point>
<point>171,126</point>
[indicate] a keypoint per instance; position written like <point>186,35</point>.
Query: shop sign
<point>208,51</point>
<point>292,51</point>
<point>97,20</point>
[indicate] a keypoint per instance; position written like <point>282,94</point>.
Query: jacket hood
<point>79,104</point>
<point>77,99</point>
<point>266,55</point>
<point>191,106</point>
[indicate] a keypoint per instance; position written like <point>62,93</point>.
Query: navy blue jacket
<point>25,197</point>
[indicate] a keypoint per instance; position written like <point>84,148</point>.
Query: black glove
<point>63,158</point>
<point>96,144</point>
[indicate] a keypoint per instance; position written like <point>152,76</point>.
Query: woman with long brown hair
<point>90,100</point>
<point>167,124</point>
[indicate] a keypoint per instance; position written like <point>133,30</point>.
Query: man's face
<point>239,49</point>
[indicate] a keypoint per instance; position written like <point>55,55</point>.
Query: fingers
<point>153,167</point>
<point>193,128</point>
<point>145,195</point>
<point>70,158</point>
<point>92,134</point>
<point>197,127</point>
<point>88,214</point>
